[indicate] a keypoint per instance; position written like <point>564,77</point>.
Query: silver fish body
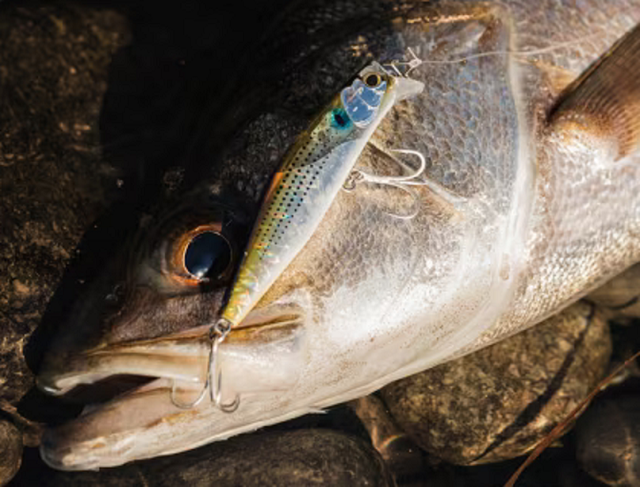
<point>514,215</point>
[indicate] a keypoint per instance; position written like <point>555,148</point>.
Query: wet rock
<point>620,297</point>
<point>303,457</point>
<point>53,73</point>
<point>10,451</point>
<point>608,441</point>
<point>499,402</point>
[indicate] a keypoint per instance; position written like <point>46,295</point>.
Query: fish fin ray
<point>605,99</point>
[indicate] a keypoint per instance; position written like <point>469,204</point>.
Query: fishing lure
<point>300,194</point>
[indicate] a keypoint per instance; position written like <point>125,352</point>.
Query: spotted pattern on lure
<point>312,174</point>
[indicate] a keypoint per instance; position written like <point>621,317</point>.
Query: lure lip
<point>407,87</point>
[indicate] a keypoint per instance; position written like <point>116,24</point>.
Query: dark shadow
<point>182,87</point>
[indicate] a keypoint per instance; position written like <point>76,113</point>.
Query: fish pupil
<point>207,256</point>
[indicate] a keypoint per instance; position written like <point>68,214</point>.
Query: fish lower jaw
<point>145,424</point>
<point>89,454</point>
<point>79,443</point>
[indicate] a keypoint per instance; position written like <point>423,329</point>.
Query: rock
<point>499,402</point>
<point>53,71</point>
<point>608,441</point>
<point>621,295</point>
<point>10,451</point>
<point>302,457</point>
<point>401,455</point>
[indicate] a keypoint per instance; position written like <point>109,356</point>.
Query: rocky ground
<point>88,137</point>
<point>53,181</point>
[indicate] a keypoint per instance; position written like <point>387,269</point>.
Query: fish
<point>501,191</point>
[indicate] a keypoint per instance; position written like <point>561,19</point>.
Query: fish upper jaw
<point>270,341</point>
<point>180,359</point>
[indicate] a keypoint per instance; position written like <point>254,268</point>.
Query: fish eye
<point>207,256</point>
<point>372,80</point>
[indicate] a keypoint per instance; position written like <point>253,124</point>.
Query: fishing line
<point>525,52</point>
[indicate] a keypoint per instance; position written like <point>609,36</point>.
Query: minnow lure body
<point>312,174</point>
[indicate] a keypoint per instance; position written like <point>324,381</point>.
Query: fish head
<point>373,291</point>
<point>169,280</point>
<point>400,274</point>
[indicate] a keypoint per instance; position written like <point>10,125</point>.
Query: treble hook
<point>217,334</point>
<point>399,182</point>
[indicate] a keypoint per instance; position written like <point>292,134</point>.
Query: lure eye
<point>372,80</point>
<point>207,256</point>
<point>340,119</point>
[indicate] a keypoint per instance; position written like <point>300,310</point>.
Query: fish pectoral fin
<point>604,102</point>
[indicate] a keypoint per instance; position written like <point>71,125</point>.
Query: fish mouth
<point>182,356</point>
<point>129,385</point>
